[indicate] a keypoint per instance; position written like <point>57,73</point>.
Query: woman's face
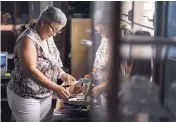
<point>100,29</point>
<point>49,29</point>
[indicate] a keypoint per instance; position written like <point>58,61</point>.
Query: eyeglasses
<point>57,32</point>
<point>101,32</point>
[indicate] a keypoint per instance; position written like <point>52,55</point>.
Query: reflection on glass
<point>139,95</point>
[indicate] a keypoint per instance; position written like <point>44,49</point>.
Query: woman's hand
<point>97,91</point>
<point>67,78</point>
<point>62,92</point>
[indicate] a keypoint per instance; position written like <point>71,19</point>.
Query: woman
<point>37,67</point>
<point>100,67</point>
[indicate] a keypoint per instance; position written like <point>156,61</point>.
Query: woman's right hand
<point>62,92</point>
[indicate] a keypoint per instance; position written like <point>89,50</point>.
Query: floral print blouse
<point>47,63</point>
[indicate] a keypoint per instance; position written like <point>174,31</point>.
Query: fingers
<point>73,79</point>
<point>67,78</point>
<point>63,97</point>
<point>63,93</point>
<point>94,94</point>
<point>67,93</point>
<point>96,91</point>
<point>70,78</point>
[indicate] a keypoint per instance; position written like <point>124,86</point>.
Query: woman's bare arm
<point>28,63</point>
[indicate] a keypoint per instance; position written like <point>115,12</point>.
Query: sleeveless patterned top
<point>48,63</point>
<point>101,61</point>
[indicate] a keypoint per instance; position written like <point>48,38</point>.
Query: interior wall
<point>141,9</point>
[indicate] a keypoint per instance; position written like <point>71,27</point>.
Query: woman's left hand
<point>67,78</point>
<point>97,91</point>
